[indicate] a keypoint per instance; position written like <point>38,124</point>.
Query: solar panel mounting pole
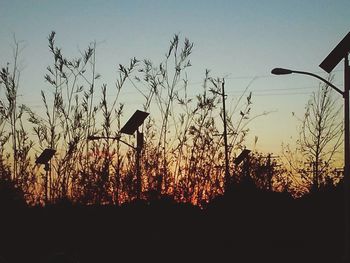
<point>132,126</point>
<point>44,159</point>
<point>139,145</point>
<point>47,169</point>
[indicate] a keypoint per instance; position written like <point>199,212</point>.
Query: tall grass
<point>183,151</point>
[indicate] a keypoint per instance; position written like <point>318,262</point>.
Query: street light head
<point>281,71</point>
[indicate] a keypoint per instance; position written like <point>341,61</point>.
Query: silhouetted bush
<point>11,195</point>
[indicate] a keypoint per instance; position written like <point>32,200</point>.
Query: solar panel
<point>45,156</point>
<point>134,122</point>
<point>337,54</point>
<point>241,157</point>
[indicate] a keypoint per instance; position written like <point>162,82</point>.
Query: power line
<point>282,94</point>
<point>231,92</point>
<point>255,94</point>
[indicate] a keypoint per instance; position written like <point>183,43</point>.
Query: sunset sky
<point>238,40</point>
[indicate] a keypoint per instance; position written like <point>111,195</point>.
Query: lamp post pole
<point>346,180</point>
<point>346,157</point>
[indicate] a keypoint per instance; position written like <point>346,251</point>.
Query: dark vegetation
<point>244,225</point>
<point>86,209</point>
<point>183,151</point>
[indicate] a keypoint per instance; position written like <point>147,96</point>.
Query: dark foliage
<point>246,224</point>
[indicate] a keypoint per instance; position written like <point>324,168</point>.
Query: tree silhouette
<point>320,138</point>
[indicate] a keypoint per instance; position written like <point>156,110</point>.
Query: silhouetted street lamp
<point>340,52</point>
<point>130,128</point>
<point>44,159</point>
<point>284,71</point>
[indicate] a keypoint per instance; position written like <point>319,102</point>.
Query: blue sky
<point>236,39</point>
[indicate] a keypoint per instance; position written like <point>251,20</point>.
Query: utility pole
<point>224,120</point>
<point>270,167</point>
<point>269,172</point>
<point>227,166</point>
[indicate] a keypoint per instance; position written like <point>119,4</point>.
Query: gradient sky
<point>236,39</point>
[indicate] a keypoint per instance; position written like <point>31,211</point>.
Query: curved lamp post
<point>340,52</point>
<point>284,71</point>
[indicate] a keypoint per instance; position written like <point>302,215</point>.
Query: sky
<point>238,40</point>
